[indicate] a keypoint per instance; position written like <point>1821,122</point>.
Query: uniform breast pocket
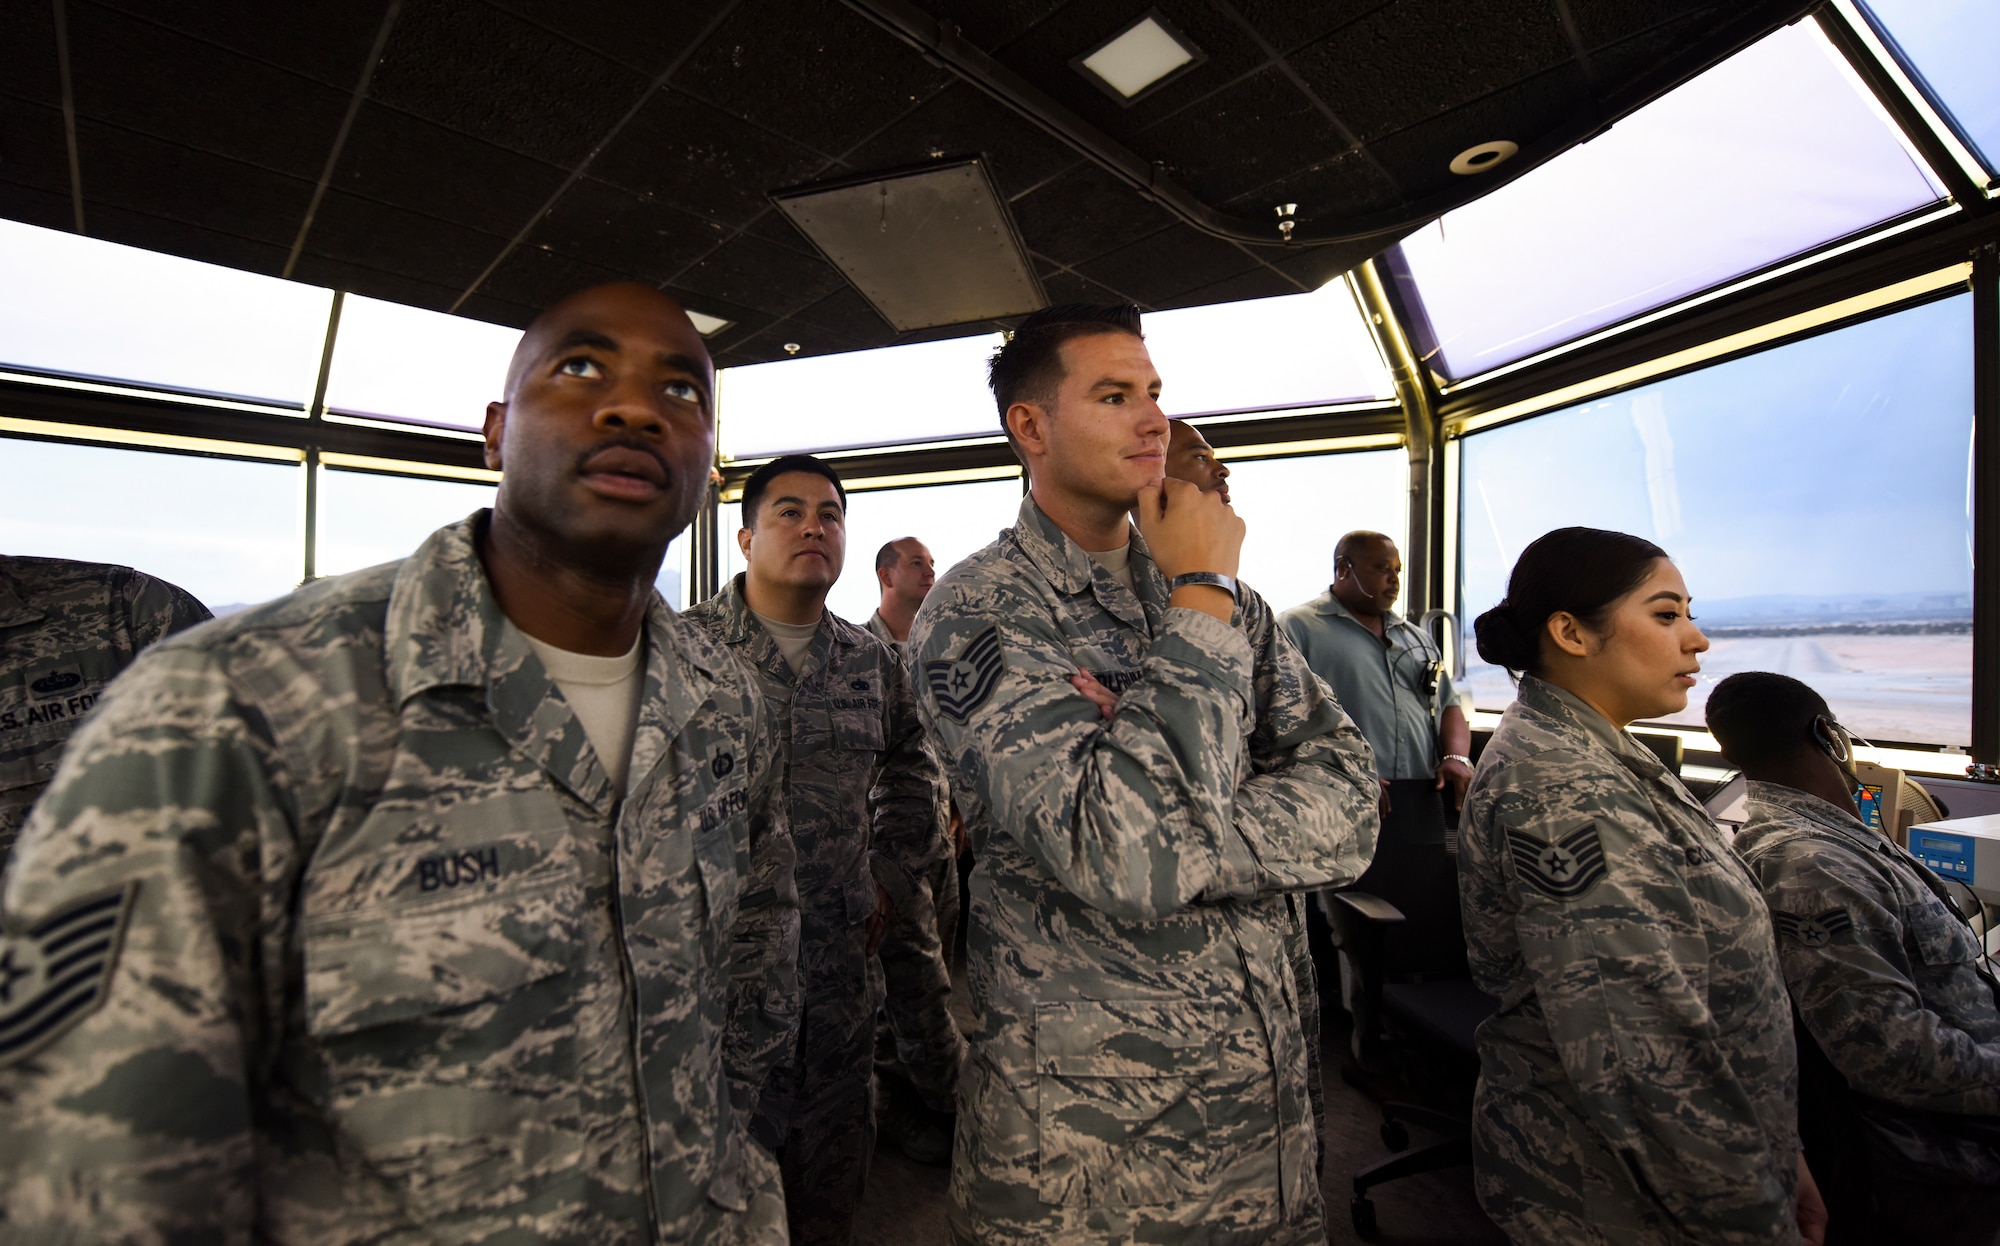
<point>446,1023</point>
<point>1122,1111</point>
<point>858,731</point>
<point>1940,939</point>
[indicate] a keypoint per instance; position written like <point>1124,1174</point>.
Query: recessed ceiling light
<point>1483,157</point>
<point>708,326</point>
<point>1139,59</point>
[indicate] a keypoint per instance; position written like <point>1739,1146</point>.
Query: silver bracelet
<point>1458,757</point>
<point>1214,579</point>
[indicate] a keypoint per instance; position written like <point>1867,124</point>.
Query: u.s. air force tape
<point>57,973</point>
<point>1810,930</point>
<point>1563,868</point>
<point>961,685</point>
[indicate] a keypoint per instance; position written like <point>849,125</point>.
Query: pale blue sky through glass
<point>1953,44</point>
<point>1295,510</point>
<point>226,531</point>
<point>91,308</point>
<point>1768,155</point>
<point>1815,497</point>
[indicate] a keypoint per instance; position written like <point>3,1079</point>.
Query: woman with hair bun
<point>1638,1083</point>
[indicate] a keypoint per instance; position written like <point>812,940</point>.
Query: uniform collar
<point>1071,569</point>
<point>1781,800</point>
<point>1327,603</point>
<point>15,609</point>
<point>742,630</point>
<point>1577,718</point>
<point>444,628</point>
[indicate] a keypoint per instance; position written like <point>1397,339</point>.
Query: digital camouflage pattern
<point>1637,1085</point>
<point>930,1052</point>
<point>1139,1070</point>
<point>861,797</point>
<point>1885,976</point>
<point>400,966</point>
<point>66,630</point>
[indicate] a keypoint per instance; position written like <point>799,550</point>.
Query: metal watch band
<point>1214,579</point>
<point>1459,757</point>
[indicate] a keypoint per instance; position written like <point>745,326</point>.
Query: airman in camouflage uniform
<point>333,926</point>
<point>861,793</point>
<point>1140,1069</point>
<point>1638,1083</point>
<point>66,628</point>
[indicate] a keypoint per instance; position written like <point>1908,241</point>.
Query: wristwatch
<point>1459,757</point>
<point>1213,579</point>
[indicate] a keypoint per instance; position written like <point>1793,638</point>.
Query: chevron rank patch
<point>1813,931</point>
<point>1563,869</point>
<point>962,685</point>
<point>58,973</point>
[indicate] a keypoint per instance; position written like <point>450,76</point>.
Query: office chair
<point>1445,1010</point>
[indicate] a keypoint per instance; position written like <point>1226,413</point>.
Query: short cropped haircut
<point>1761,718</point>
<point>760,481</point>
<point>1028,366</point>
<point>887,557</point>
<point>1344,547</point>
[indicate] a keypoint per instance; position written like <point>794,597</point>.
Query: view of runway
<point>1911,688</point>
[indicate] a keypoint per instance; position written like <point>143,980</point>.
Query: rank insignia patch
<point>962,686</point>
<point>57,974</point>
<point>1563,869</point>
<point>1813,931</point>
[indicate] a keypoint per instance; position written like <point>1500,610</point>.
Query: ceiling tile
<point>1419,158</point>
<point>845,311</point>
<point>493,76</point>
<point>630,234</point>
<point>769,344</point>
<point>498,311</point>
<point>1420,58</point>
<point>157,233</point>
<point>32,149</point>
<point>992,23</point>
<point>535,278</point>
<point>1072,287</point>
<point>1328,192</point>
<point>28,68</point>
<point>700,159</point>
<point>431,250</point>
<point>962,122</point>
<point>1084,213</point>
<point>1287,24</point>
<point>143,174</point>
<point>328,43</point>
<point>35,206</point>
<point>755,273</point>
<point>395,158</point>
<point>374,283</point>
<point>645,35</point>
<point>1610,21</point>
<point>1258,283</point>
<point>1252,133</point>
<point>812,70</point>
<point>1157,268</point>
<point>180,89</point>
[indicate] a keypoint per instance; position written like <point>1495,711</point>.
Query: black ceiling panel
<point>393,157</point>
<point>151,176</point>
<point>532,277</point>
<point>493,76</point>
<point>1085,213</point>
<point>703,160</point>
<point>991,24</point>
<point>1347,185</point>
<point>962,122</point>
<point>845,311</point>
<point>756,273</point>
<point>32,150</point>
<point>157,233</point>
<point>33,206</point>
<point>1074,287</point>
<point>646,35</point>
<point>1603,22</point>
<point>442,253</point>
<point>1288,25</point>
<point>324,42</point>
<point>1153,270</point>
<point>813,70</point>
<point>770,343</point>
<point>1419,158</point>
<point>1640,53</point>
<point>28,65</point>
<point>624,232</point>
<point>1422,58</point>
<point>379,284</point>
<point>1258,283</point>
<point>1251,134</point>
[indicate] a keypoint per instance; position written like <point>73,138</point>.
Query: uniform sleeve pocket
<point>1941,939</point>
<point>715,857</point>
<point>405,961</point>
<point>1121,1109</point>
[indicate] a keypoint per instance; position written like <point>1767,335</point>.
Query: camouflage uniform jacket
<point>1885,976</point>
<point>66,628</point>
<point>398,965</point>
<point>1638,1082</point>
<point>861,796</point>
<point>878,627</point>
<point>1138,1064</point>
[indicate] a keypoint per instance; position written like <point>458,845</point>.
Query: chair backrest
<point>1668,746</point>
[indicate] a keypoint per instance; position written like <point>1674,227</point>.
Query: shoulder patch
<point>961,685</point>
<point>1812,931</point>
<point>1563,869</point>
<point>58,973</point>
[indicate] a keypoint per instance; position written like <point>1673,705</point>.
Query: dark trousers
<point>1415,871</point>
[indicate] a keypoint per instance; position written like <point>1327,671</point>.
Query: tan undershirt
<point>1119,563</point>
<point>603,693</point>
<point>793,639</point>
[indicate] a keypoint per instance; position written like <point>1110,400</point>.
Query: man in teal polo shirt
<point>1387,673</point>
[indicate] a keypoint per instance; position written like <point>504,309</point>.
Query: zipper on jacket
<point>630,977</point>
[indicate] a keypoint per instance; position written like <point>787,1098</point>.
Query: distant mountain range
<point>1803,610</point>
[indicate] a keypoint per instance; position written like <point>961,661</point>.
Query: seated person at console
<point>1885,975</point>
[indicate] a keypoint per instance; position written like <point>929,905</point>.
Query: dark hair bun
<point>1502,642</point>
